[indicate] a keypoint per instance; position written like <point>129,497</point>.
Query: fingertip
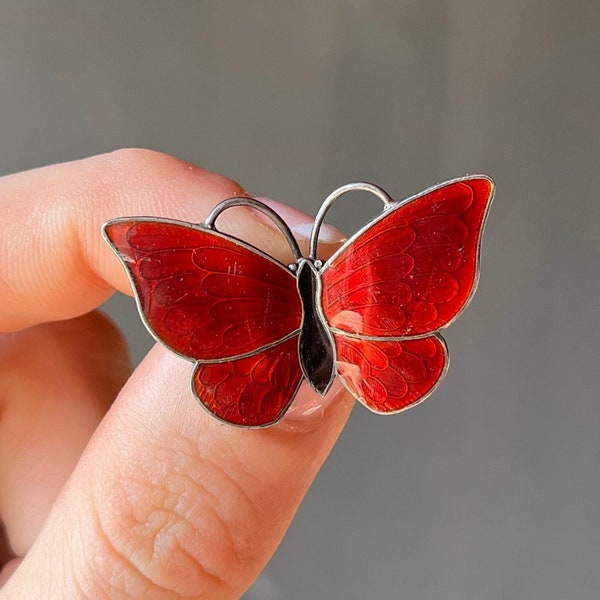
<point>310,409</point>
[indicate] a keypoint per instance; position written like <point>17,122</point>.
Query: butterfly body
<point>316,345</point>
<point>255,328</point>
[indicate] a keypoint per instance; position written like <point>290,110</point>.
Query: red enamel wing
<point>255,327</point>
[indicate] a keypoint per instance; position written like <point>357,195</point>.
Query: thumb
<point>166,502</point>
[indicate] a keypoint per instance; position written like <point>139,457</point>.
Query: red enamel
<point>391,376</point>
<point>204,295</point>
<point>253,391</point>
<point>412,271</point>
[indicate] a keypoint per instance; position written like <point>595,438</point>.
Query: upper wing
<point>205,295</point>
<point>414,269</point>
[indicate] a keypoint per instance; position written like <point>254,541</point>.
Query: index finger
<point>53,261</point>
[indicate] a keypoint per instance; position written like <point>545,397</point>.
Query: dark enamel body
<point>316,346</point>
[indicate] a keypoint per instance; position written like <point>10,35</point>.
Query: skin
<point>114,483</point>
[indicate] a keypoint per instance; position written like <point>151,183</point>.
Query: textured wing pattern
<point>203,294</point>
<point>254,391</point>
<point>390,376</point>
<point>414,269</point>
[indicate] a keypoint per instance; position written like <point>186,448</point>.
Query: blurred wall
<point>490,489</point>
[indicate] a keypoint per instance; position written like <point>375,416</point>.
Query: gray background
<point>491,489</point>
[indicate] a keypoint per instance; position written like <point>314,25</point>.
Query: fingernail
<point>309,408</point>
<point>301,224</point>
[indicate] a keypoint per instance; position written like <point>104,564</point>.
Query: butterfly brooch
<point>255,327</point>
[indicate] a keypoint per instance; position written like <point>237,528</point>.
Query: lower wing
<point>391,376</point>
<point>254,391</point>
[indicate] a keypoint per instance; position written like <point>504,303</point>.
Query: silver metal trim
<point>209,222</point>
<point>359,186</point>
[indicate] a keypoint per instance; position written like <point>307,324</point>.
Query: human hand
<point>164,501</point>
